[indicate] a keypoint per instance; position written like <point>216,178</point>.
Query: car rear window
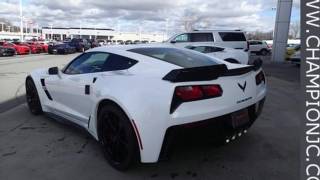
<point>179,57</point>
<point>201,37</point>
<point>232,36</point>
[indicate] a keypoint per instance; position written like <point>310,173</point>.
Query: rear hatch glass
<point>179,57</point>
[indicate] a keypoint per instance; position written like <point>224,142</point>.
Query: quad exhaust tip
<point>236,135</point>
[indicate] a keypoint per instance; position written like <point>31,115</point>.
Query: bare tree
<point>295,29</point>
<point>189,23</point>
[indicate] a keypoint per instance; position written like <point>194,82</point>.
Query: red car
<point>34,49</point>
<point>37,45</point>
<point>20,49</point>
<point>44,46</point>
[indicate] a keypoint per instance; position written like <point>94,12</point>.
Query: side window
<point>182,38</point>
<point>116,62</point>
<point>201,37</point>
<point>87,63</point>
<point>232,36</point>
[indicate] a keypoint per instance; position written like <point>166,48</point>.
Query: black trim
<point>87,89</point>
<point>42,82</point>
<point>45,89</point>
<point>48,94</point>
<point>206,73</point>
<point>94,79</point>
<point>203,73</point>
<point>89,121</point>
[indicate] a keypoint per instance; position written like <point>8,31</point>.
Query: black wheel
<point>263,52</point>
<point>32,96</point>
<point>232,61</point>
<point>117,138</point>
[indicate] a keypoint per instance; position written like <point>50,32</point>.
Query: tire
<point>264,52</point>
<point>32,97</point>
<point>232,61</point>
<point>117,138</point>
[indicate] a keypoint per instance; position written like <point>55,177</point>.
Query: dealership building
<point>59,33</point>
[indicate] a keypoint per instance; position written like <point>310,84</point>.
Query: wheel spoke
<point>115,138</point>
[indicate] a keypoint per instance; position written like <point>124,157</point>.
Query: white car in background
<point>227,54</point>
<point>235,39</point>
<point>130,98</point>
<point>259,47</point>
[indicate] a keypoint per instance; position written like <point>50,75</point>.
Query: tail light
<point>188,93</point>
<point>260,78</point>
<point>194,93</point>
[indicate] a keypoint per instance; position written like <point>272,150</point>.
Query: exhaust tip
<point>233,137</point>
<point>227,140</point>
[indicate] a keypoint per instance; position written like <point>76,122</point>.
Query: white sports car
<point>227,54</point>
<point>130,97</point>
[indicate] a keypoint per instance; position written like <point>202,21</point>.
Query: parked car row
<point>71,46</point>
<point>22,48</point>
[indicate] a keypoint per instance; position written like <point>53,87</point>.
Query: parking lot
<point>37,147</point>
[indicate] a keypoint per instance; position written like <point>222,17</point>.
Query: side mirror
<point>53,71</point>
<point>173,41</point>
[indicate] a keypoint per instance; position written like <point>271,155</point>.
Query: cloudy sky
<point>149,15</point>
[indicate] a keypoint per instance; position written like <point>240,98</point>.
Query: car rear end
<point>222,100</point>
<point>221,109</point>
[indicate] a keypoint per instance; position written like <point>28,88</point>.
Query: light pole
<point>51,38</point>
<point>80,29</point>
<point>21,22</point>
<point>167,28</point>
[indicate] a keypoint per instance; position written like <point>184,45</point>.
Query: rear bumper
<point>216,129</point>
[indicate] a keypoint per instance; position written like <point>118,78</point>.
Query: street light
<point>21,23</point>
<point>51,31</point>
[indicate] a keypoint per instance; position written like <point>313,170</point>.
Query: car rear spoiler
<point>207,73</point>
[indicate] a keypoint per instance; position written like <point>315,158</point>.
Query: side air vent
<point>45,89</point>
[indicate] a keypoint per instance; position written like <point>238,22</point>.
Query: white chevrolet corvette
<point>130,97</point>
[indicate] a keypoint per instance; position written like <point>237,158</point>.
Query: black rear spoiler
<point>207,73</point>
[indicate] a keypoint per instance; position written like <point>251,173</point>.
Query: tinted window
<point>116,62</point>
<point>87,63</point>
<point>98,62</point>
<point>201,37</point>
<point>182,38</point>
<point>232,36</point>
<point>183,58</point>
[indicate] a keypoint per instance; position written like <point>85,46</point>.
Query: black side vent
<point>45,89</point>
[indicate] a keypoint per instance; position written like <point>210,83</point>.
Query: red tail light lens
<point>194,93</point>
<point>188,93</point>
<point>212,90</point>
<point>260,78</point>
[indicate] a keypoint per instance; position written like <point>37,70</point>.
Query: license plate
<point>239,118</point>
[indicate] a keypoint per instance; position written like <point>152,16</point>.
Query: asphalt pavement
<point>38,147</point>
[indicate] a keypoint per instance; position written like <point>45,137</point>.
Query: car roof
<point>128,47</point>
